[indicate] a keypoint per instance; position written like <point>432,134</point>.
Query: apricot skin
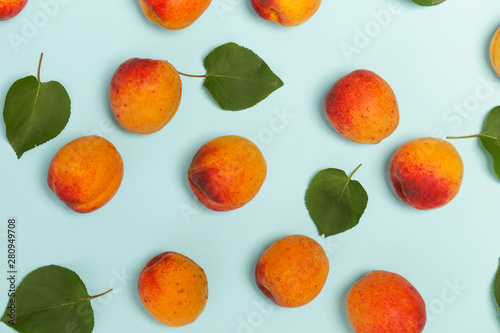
<point>173,289</point>
<point>227,172</point>
<point>426,173</point>
<point>495,51</point>
<point>362,107</point>
<point>385,302</point>
<point>145,94</point>
<point>10,8</point>
<point>292,271</point>
<point>86,173</point>
<point>174,14</point>
<point>286,12</point>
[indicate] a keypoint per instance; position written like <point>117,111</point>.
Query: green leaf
<point>428,2</point>
<point>496,287</point>
<point>237,78</point>
<point>490,137</point>
<point>50,299</point>
<point>35,113</point>
<point>335,202</point>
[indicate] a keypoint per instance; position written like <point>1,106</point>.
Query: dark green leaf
<point>490,137</point>
<point>237,78</point>
<point>335,202</point>
<point>34,113</point>
<point>496,287</point>
<point>51,299</point>
<point>428,2</point>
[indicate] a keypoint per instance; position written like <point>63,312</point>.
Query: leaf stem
<point>464,137</point>
<point>39,66</point>
<point>190,75</point>
<point>107,292</point>
<point>352,174</point>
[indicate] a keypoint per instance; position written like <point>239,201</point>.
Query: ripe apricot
<point>292,271</point>
<point>173,289</point>
<point>86,173</point>
<point>362,107</point>
<point>227,172</point>
<point>145,94</point>
<point>426,173</point>
<point>385,302</point>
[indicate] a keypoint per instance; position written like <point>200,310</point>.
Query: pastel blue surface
<point>436,60</point>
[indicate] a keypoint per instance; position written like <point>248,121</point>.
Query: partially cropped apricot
<point>10,8</point>
<point>145,94</point>
<point>426,172</point>
<point>86,173</point>
<point>385,302</point>
<point>362,107</point>
<point>227,172</point>
<point>286,12</point>
<point>495,51</point>
<point>292,271</point>
<point>174,15</point>
<point>173,289</point>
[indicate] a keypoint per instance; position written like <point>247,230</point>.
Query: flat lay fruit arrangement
<point>250,166</point>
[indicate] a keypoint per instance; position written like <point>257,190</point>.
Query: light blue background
<point>436,60</point>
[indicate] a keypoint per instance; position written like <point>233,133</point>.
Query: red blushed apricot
<point>292,271</point>
<point>385,302</point>
<point>174,15</point>
<point>227,172</point>
<point>86,173</point>
<point>173,289</point>
<point>362,107</point>
<point>426,173</point>
<point>286,12</point>
<point>145,94</point>
<point>10,8</point>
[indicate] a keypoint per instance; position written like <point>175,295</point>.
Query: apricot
<point>227,172</point>
<point>292,271</point>
<point>174,14</point>
<point>173,289</point>
<point>385,302</point>
<point>495,51</point>
<point>362,107</point>
<point>286,12</point>
<point>145,94</point>
<point>426,173</point>
<point>86,173</point>
<point>10,8</point>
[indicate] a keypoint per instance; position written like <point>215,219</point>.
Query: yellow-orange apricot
<point>286,12</point>
<point>86,173</point>
<point>227,172</point>
<point>145,94</point>
<point>173,289</point>
<point>292,271</point>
